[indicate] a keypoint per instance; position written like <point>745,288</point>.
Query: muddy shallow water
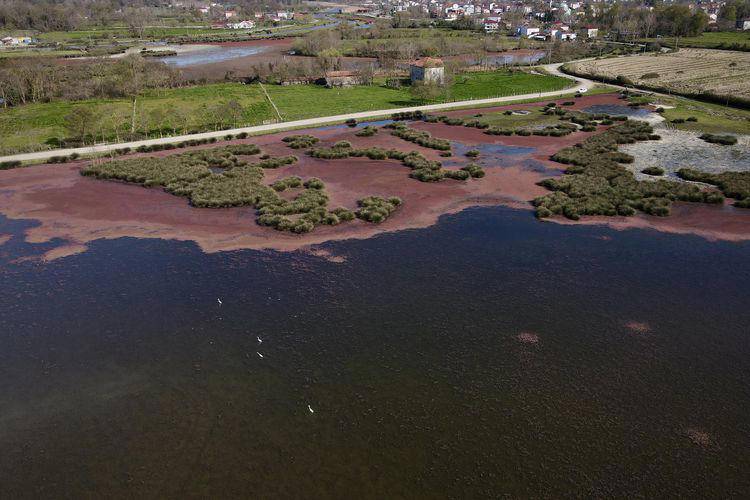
<point>73,211</point>
<point>454,351</point>
<point>487,355</point>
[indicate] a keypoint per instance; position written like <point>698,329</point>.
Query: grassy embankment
<point>29,127</point>
<point>735,40</point>
<point>711,118</point>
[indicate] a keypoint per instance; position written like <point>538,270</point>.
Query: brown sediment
<point>528,338</point>
<point>699,437</point>
<point>79,209</point>
<point>5,238</point>
<point>638,327</point>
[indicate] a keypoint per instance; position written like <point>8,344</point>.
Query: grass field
<point>26,128</point>
<point>712,118</point>
<point>688,71</point>
<point>709,40</point>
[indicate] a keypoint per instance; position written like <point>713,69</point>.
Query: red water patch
<point>699,437</point>
<point>78,209</point>
<point>527,338</point>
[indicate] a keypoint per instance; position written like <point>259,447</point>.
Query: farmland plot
<point>689,71</point>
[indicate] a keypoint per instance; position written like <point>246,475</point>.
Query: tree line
<point>29,80</point>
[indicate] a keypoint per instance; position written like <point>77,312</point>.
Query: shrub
<point>569,103</point>
<point>726,140</point>
<point>453,121</point>
<point>649,76</point>
<point>367,131</point>
<point>474,170</point>
<point>342,145</point>
<point>459,175</point>
<point>242,149</point>
<point>377,209</point>
<point>300,141</point>
<point>351,122</point>
<point>446,154</point>
<point>7,165</point>
<point>653,171</point>
<point>408,115</point>
<point>473,153</point>
<point>287,183</point>
<point>314,183</point>
<point>507,112</point>
<point>691,119</point>
<point>242,135</point>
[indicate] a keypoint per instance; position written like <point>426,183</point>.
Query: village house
<point>491,24</point>
<point>427,70</point>
<point>527,31</point>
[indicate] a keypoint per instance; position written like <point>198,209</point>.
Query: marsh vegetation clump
<point>276,162</point>
<point>473,153</point>
<point>420,137</point>
<point>474,170</point>
<point>732,184</point>
<point>724,140</point>
<point>300,141</point>
<point>7,165</point>
<point>408,115</point>
<point>287,183</point>
<point>458,175</point>
<point>377,209</point>
<point>653,171</point>
<point>195,176</point>
<point>597,184</point>
<point>422,169</point>
<point>367,131</point>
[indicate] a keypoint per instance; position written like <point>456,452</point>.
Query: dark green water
<point>121,376</point>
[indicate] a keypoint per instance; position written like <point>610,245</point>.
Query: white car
<point>583,90</point>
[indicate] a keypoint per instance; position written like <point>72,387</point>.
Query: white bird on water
<point>259,354</point>
<point>219,301</point>
<point>259,340</point>
<point>310,408</point>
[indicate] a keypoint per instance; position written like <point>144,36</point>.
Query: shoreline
<point>79,210</point>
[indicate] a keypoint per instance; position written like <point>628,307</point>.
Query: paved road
<point>310,122</point>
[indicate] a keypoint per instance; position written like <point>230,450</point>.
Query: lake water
<point>215,54</point>
<point>121,375</point>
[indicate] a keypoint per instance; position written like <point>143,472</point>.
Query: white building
<point>527,31</point>
<point>242,25</point>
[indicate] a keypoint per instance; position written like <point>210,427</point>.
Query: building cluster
<point>531,18</point>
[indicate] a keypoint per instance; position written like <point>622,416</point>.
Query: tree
<point>234,111</point>
<point>425,91</point>
<point>79,123</point>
